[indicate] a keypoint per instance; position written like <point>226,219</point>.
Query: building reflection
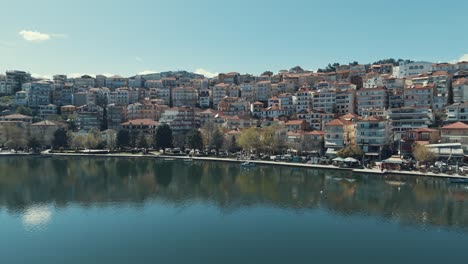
<point>25,182</point>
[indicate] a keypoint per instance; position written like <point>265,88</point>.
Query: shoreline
<point>259,162</point>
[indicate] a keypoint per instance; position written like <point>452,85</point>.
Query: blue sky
<point>127,37</point>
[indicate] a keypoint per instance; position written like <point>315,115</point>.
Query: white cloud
<point>36,36</point>
<point>147,72</point>
<point>206,73</point>
<point>463,58</point>
<point>41,76</point>
<point>139,59</point>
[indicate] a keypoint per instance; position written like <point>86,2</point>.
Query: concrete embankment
<point>262,162</point>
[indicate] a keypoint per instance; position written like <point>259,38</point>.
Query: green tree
<point>217,140</point>
<point>142,142</point>
<point>77,141</point>
<point>123,139</point>
<point>60,139</point>
<point>195,139</point>
<point>232,145</point>
<point>248,139</point>
<point>163,138</point>
<point>23,110</point>
<point>34,144</point>
<point>353,151</point>
<point>268,139</point>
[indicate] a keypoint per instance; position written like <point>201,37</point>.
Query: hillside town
<point>370,111</point>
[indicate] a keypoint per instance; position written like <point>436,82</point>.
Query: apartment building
<point>374,136</point>
<point>375,99</point>
<point>409,118</point>
<point>184,96</point>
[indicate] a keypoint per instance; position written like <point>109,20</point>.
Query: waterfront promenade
<point>47,153</point>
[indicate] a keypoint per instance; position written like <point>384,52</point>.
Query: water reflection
<point>27,183</point>
<point>36,217</point>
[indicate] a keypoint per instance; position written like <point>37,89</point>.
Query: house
<point>460,90</point>
<point>141,126</point>
<point>455,133</point>
<point>295,125</point>
<point>422,136</point>
<point>339,134</point>
<point>44,131</point>
<point>256,109</point>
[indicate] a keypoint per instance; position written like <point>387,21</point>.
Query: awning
<point>393,160</point>
<point>331,151</point>
<point>351,160</point>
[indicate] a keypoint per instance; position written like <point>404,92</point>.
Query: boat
<point>248,164</point>
<point>459,180</point>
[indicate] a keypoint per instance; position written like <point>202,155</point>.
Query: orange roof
<point>461,81</point>
<point>316,132</point>
<point>339,122</point>
<point>457,125</point>
<point>294,122</point>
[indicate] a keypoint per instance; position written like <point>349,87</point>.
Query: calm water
<point>88,210</point>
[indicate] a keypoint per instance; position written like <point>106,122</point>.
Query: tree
<point>267,73</point>
<point>422,154</point>
<point>217,140</point>
<point>142,143</point>
<point>268,139</point>
<point>207,132</point>
<point>353,151</point>
<point>104,125</point>
<point>123,139</point>
<point>34,144</point>
<point>195,139</point>
<point>77,141</point>
<point>17,142</point>
<point>232,145</point>
<point>439,118</point>
<point>163,138</point>
<point>248,139</point>
<point>22,110</point>
<point>60,139</point>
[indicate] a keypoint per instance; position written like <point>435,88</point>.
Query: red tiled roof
<point>457,125</point>
<point>294,122</point>
<point>339,122</point>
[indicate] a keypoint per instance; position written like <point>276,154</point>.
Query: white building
<point>412,69</point>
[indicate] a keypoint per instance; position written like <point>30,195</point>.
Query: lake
<point>118,210</point>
